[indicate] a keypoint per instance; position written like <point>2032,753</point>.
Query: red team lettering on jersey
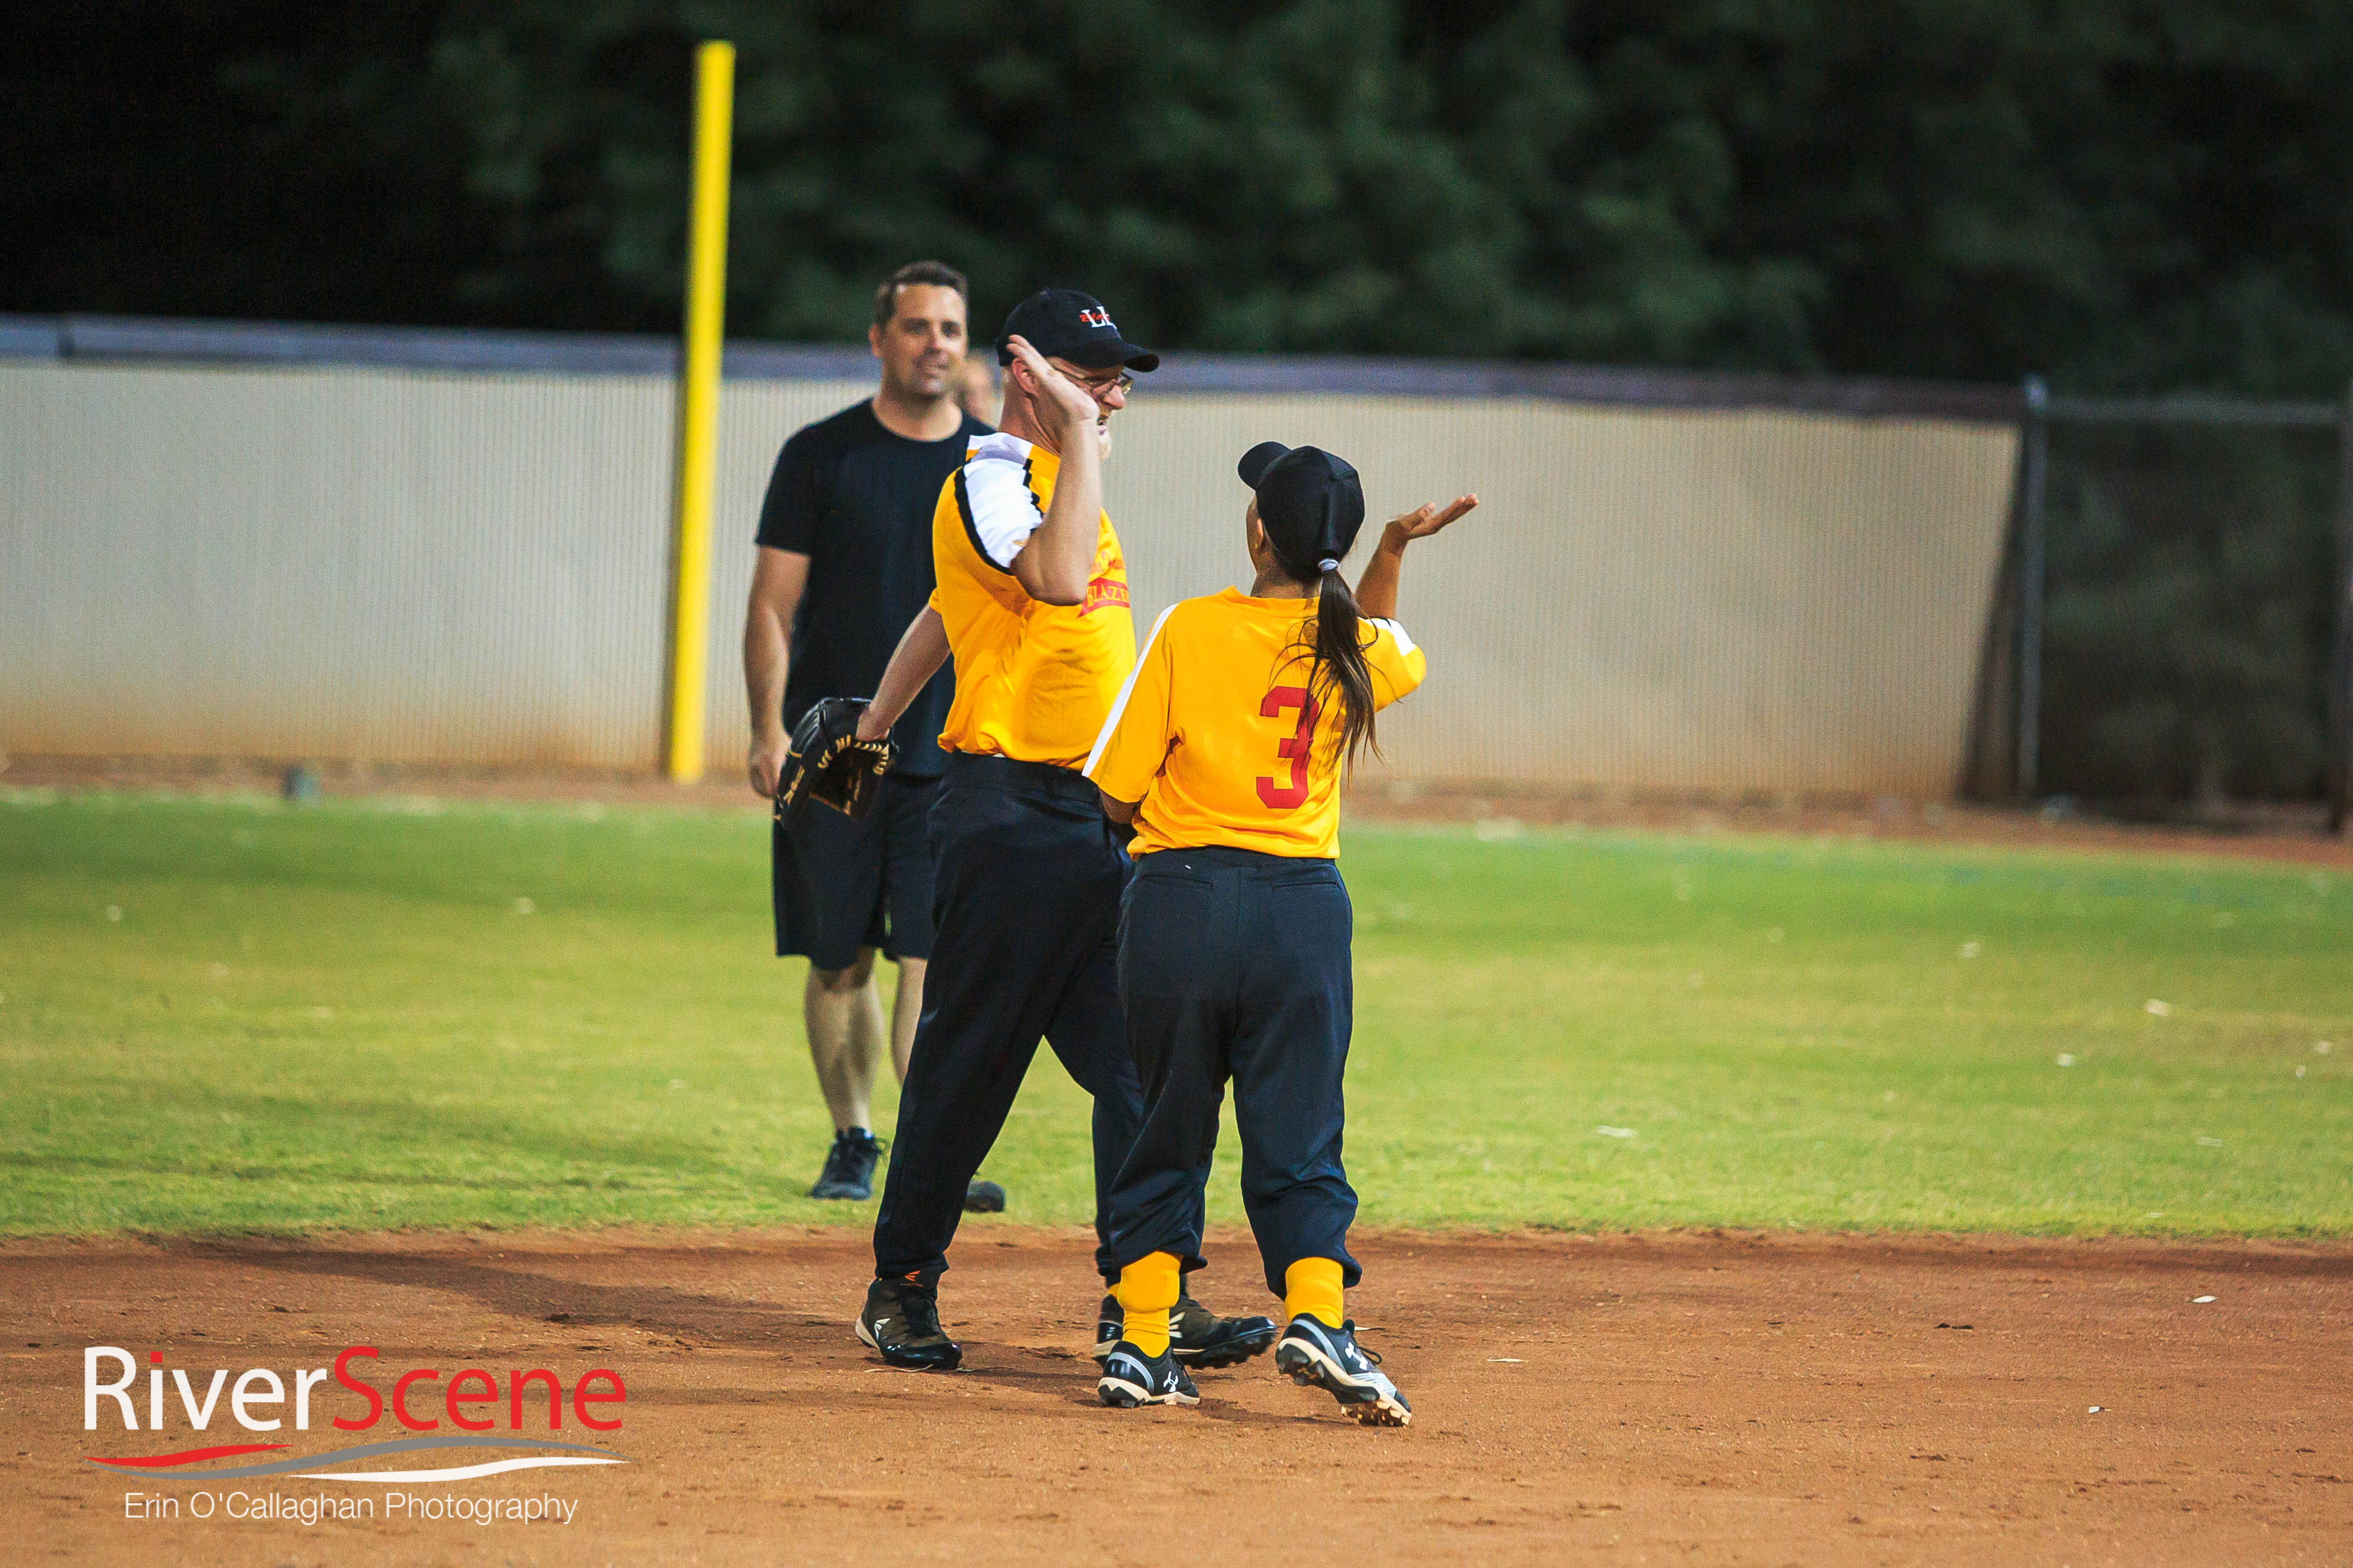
<point>1299,748</point>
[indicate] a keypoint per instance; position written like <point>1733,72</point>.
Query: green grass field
<point>226,1017</point>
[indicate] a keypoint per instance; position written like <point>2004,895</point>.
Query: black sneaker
<point>1201,1338</point>
<point>902,1321</point>
<point>1197,1338</point>
<point>1316,1357</point>
<point>1131,1378</point>
<point>984,1197</point>
<point>1109,1319</point>
<point>850,1165</point>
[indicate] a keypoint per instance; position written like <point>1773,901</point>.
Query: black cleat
<point>1201,1338</point>
<point>1330,1358</point>
<point>1109,1319</point>
<point>984,1197</point>
<point>1131,1378</point>
<point>849,1166</point>
<point>900,1321</point>
<point>1197,1338</point>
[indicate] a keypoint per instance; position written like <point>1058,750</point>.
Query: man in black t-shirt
<point>844,565</point>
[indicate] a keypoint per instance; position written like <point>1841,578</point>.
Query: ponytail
<point>1337,662</point>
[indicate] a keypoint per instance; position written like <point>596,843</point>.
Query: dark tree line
<point>2125,192</point>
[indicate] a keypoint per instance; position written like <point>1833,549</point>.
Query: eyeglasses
<point>1098,389</point>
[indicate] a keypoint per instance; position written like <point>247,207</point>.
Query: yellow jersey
<point>1033,681</point>
<point>1218,736</point>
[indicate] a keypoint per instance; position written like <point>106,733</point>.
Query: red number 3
<point>1285,797</point>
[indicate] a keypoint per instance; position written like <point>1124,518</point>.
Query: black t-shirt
<point>858,502</point>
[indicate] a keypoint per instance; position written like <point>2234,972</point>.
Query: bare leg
<point>904,1012</point>
<point>844,1016</point>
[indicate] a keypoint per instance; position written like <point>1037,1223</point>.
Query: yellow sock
<point>1146,1290</point>
<point>1312,1285</point>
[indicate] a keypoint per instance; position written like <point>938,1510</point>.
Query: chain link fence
<point>2176,632</point>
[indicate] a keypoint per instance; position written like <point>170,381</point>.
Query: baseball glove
<point>830,764</point>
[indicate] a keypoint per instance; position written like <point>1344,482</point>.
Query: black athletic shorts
<point>841,886</point>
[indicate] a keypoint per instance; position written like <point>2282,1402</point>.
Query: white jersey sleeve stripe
<point>1001,508</point>
<point>1405,643</point>
<point>1119,704</point>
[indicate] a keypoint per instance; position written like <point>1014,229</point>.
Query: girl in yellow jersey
<point>1225,749</point>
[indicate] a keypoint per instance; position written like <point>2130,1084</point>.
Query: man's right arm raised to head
<point>1054,565</point>
<point>921,649</point>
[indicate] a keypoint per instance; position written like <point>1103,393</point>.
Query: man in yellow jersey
<point>1226,749</point>
<point>1032,600</point>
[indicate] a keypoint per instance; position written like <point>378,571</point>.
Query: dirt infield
<point>1685,1398</point>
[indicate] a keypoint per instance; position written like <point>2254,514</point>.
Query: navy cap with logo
<point>1062,323</point>
<point>1310,502</point>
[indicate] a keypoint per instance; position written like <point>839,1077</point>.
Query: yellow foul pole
<point>698,410</point>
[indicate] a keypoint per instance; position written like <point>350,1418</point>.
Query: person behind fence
<point>1225,750</point>
<point>844,563</point>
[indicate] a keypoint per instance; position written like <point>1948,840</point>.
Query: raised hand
<point>1060,397</point>
<point>1429,517</point>
<point>1377,591</point>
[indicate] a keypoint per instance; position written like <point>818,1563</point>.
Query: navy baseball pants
<point>1026,880</point>
<point>1234,964</point>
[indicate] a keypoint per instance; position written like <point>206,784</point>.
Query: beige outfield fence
<point>1720,601</point>
<point>364,563</point>
<point>439,566</point>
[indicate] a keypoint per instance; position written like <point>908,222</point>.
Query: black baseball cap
<point>1310,502</point>
<point>1062,323</point>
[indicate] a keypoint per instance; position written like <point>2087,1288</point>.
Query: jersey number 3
<point>1297,749</point>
